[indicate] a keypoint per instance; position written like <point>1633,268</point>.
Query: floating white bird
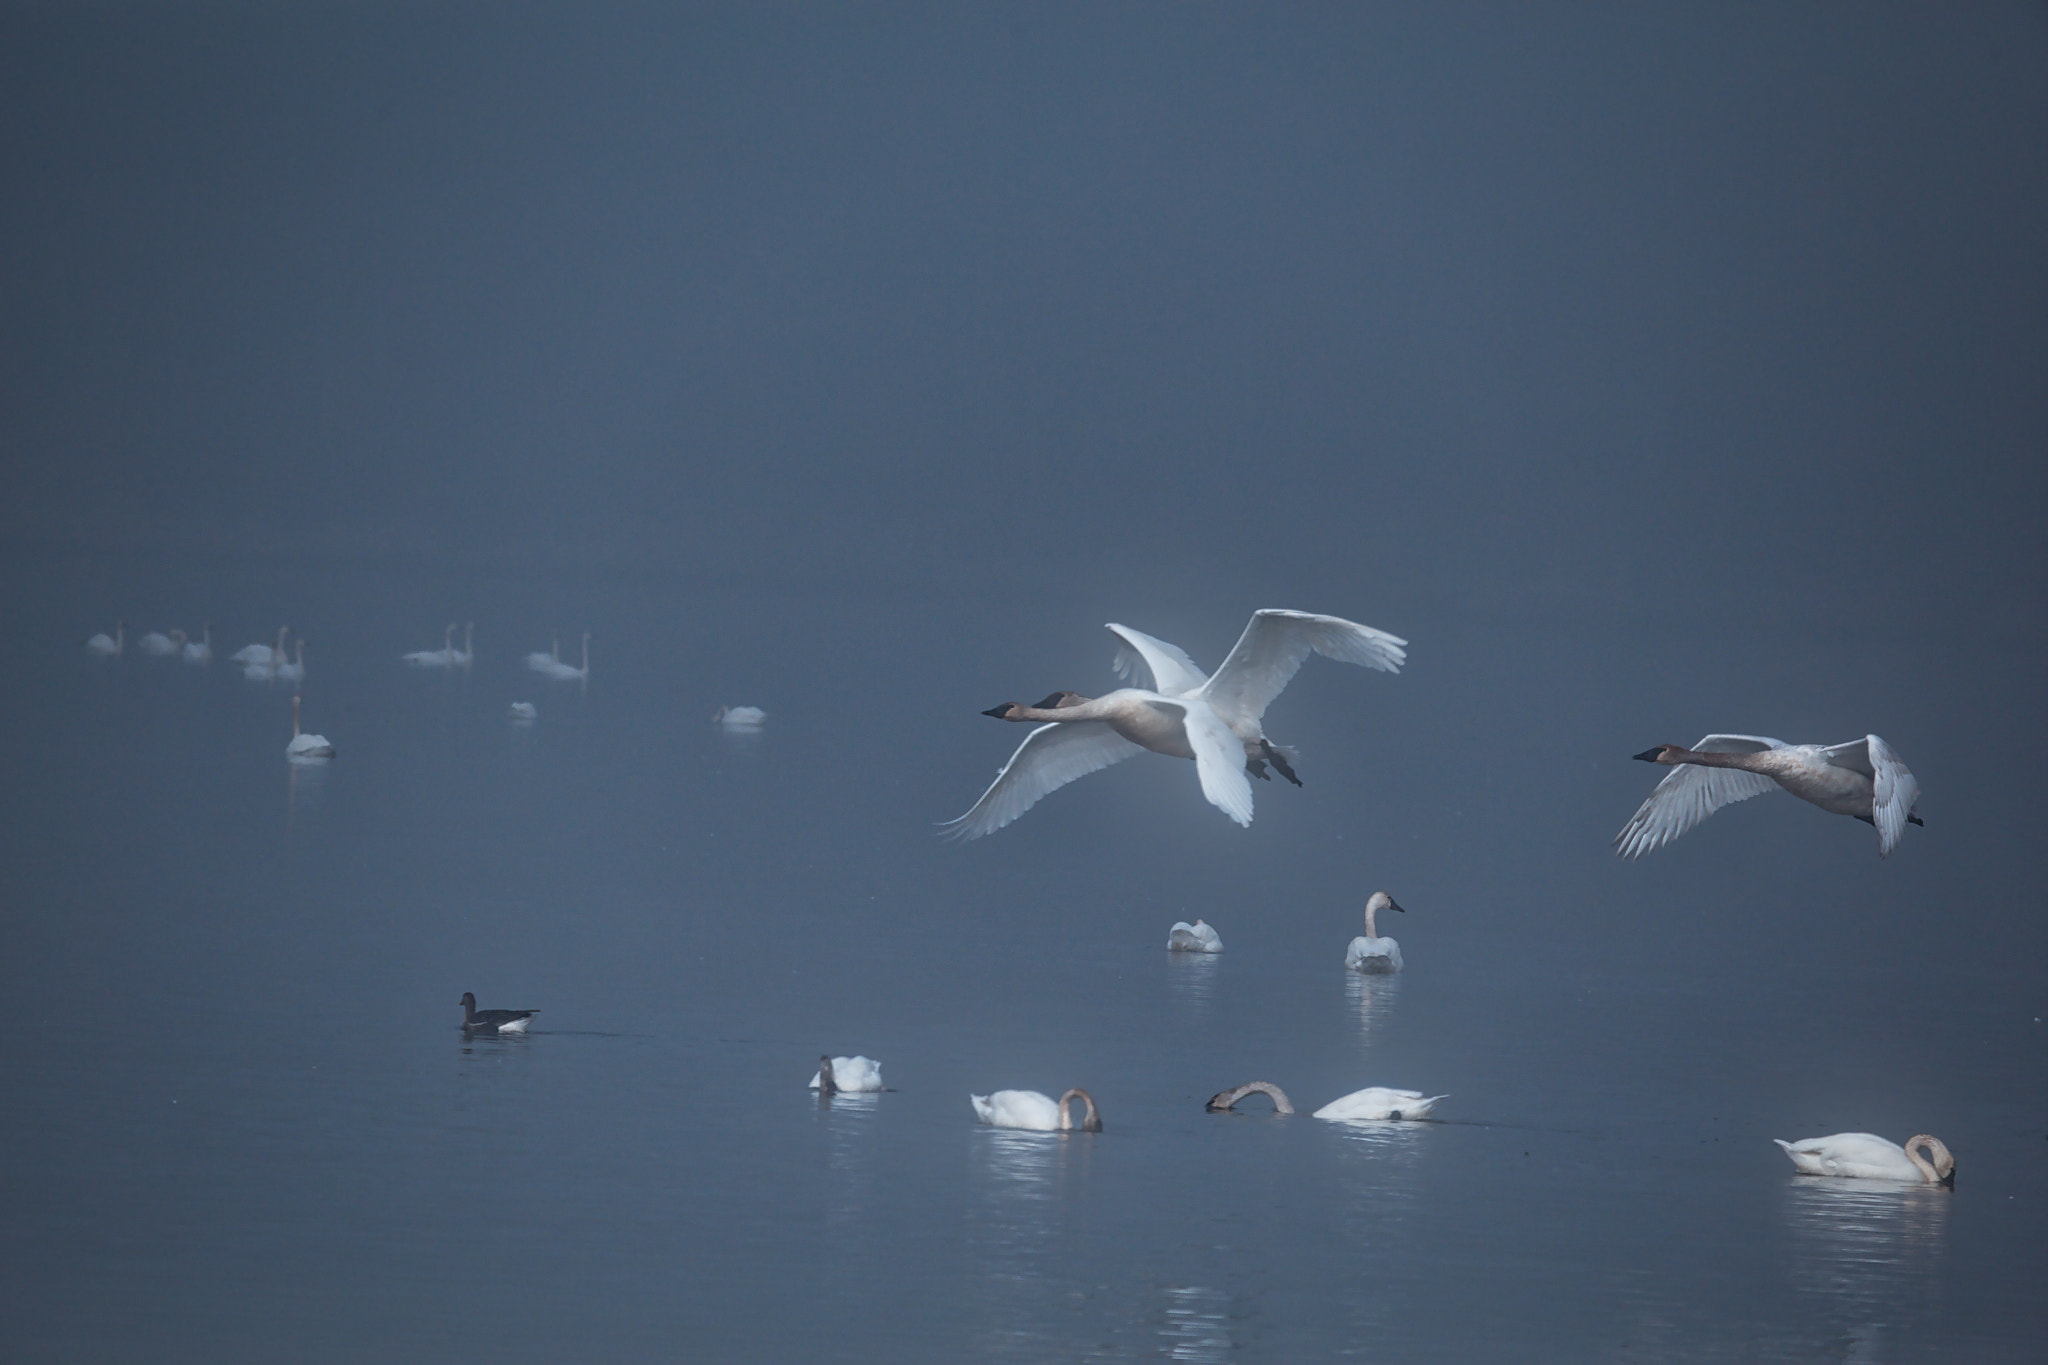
<point>294,671</point>
<point>1866,1156</point>
<point>524,712</point>
<point>1192,938</point>
<point>462,658</point>
<point>847,1073</point>
<point>1227,1099</point>
<point>435,658</point>
<point>105,644</point>
<point>1214,720</point>
<point>1378,1102</point>
<point>1369,952</point>
<point>1863,778</point>
<point>562,672</point>
<point>306,748</point>
<point>262,654</point>
<point>739,717</point>
<point>160,645</point>
<point>200,651</point>
<point>1029,1109</point>
<point>540,663</point>
<point>475,1020</point>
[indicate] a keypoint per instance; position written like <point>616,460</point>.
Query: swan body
<point>1217,721</point>
<point>1227,1099</point>
<point>1863,778</point>
<point>262,654</point>
<point>1378,1102</point>
<point>740,717</point>
<point>540,663</point>
<point>108,645</point>
<point>562,672</point>
<point>435,658</point>
<point>200,651</point>
<point>524,712</point>
<point>1866,1156</point>
<point>1369,952</point>
<point>294,671</point>
<point>1029,1109</point>
<point>1193,938</point>
<point>848,1074</point>
<point>157,644</point>
<point>306,748</point>
<point>493,1021</point>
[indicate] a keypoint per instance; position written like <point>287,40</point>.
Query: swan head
<point>1381,901</point>
<point>1091,1122</point>
<point>1667,754</point>
<point>1944,1160</point>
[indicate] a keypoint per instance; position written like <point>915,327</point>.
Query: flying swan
<point>1369,952</point>
<point>1029,1109</point>
<point>1866,1156</point>
<point>1183,714</point>
<point>1863,778</point>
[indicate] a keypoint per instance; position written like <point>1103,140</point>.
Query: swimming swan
<point>1863,778</point>
<point>1369,952</point>
<point>1866,1156</point>
<point>159,644</point>
<point>1227,1099</point>
<point>1215,721</point>
<point>306,748</point>
<point>524,713</point>
<point>1193,938</point>
<point>200,651</point>
<point>462,658</point>
<point>493,1021</point>
<point>739,717</point>
<point>1029,1109</point>
<point>539,662</point>
<point>294,671</point>
<point>435,658</point>
<point>262,654</point>
<point>849,1074</point>
<point>562,672</point>
<point>109,645</point>
<point>1378,1102</point>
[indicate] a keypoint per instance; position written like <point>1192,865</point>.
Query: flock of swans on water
<point>1171,707</point>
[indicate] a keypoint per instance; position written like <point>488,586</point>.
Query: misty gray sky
<point>1605,309</point>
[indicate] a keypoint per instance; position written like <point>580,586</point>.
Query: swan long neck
<point>1091,1122</point>
<point>1942,1169</point>
<point>295,717</point>
<point>1229,1098</point>
<point>1711,760</point>
<point>1091,709</point>
<point>828,1084</point>
<point>1371,926</point>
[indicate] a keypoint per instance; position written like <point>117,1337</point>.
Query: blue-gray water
<point>242,1123</point>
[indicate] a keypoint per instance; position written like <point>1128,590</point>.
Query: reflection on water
<point>1021,1191</point>
<point>1193,978</point>
<point>1198,1325</point>
<point>848,1121</point>
<point>305,780</point>
<point>1867,1254</point>
<point>1373,999</point>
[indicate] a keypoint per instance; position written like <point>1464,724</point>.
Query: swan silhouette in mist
<point>200,651</point>
<point>1216,721</point>
<point>850,1074</point>
<point>108,645</point>
<point>475,1020</point>
<point>1040,1113</point>
<point>1369,952</point>
<point>1193,938</point>
<point>1379,1102</point>
<point>540,662</point>
<point>740,717</point>
<point>524,713</point>
<point>1866,1156</point>
<point>1863,778</point>
<point>462,658</point>
<point>562,672</point>
<point>295,671</point>
<point>159,645</point>
<point>435,658</point>
<point>1227,1099</point>
<point>261,654</point>
<point>306,748</point>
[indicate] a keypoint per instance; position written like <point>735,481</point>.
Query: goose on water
<point>1866,1156</point>
<point>1184,713</point>
<point>1029,1109</point>
<point>493,1021</point>
<point>1369,952</point>
<point>1863,778</point>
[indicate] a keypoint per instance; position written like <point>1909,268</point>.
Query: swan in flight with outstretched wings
<point>1863,778</point>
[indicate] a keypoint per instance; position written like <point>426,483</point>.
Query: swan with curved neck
<point>1369,952</point>
<point>1863,778</point>
<point>1227,1099</point>
<point>847,1075</point>
<point>826,1085</point>
<point>1184,713</point>
<point>1866,1156</point>
<point>1039,1113</point>
<point>109,645</point>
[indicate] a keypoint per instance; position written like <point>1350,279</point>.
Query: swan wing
<point>1689,794</point>
<point>1219,757</point>
<point>1049,758</point>
<point>1173,672</point>
<point>1895,789</point>
<point>1270,652</point>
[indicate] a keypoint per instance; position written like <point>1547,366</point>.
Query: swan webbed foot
<point>1912,819</point>
<point>1257,768</point>
<point>1279,760</point>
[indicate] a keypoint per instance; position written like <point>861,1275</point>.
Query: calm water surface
<point>242,1122</point>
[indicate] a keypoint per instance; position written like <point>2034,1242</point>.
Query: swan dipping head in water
<point>1193,938</point>
<point>849,1074</point>
<point>1369,952</point>
<point>1866,1156</point>
<point>1380,1102</point>
<point>1224,1100</point>
<point>1039,1113</point>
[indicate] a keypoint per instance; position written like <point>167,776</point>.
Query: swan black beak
<point>1393,905</point>
<point>1650,755</point>
<point>999,712</point>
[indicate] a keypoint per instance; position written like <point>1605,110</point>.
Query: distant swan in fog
<point>200,651</point>
<point>1029,1109</point>
<point>541,663</point>
<point>1193,938</point>
<point>294,671</point>
<point>1369,952</point>
<point>1866,1156</point>
<point>1216,721</point>
<point>847,1073</point>
<point>493,1021</point>
<point>435,658</point>
<point>1227,1099</point>
<point>562,672</point>
<point>106,644</point>
<point>739,717</point>
<point>1863,778</point>
<point>524,712</point>
<point>160,645</point>
<point>461,658</point>
<point>1379,1102</point>
<point>306,748</point>
<point>261,654</point>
